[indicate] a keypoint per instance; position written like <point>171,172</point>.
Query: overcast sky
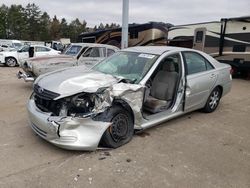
<point>141,11</point>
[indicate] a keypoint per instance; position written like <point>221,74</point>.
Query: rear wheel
<point>213,100</point>
<point>122,128</point>
<point>11,62</point>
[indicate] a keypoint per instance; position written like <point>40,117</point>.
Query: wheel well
<point>126,106</point>
<point>10,57</point>
<point>220,88</point>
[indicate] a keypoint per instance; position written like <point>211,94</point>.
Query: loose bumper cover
<point>25,77</point>
<point>66,132</point>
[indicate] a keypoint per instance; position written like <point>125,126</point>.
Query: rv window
<point>239,48</point>
<point>88,39</point>
<point>199,36</point>
<point>133,34</point>
<point>196,63</point>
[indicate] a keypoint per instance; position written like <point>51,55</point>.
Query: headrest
<point>168,65</point>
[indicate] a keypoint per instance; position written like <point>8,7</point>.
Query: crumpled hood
<point>74,80</point>
<point>45,58</point>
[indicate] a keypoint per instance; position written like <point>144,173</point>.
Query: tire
<point>122,129</point>
<point>11,62</point>
<point>212,101</point>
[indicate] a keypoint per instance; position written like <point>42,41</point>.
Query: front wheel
<point>11,62</point>
<point>122,129</point>
<point>213,100</point>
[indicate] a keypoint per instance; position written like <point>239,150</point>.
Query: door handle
<point>212,75</point>
<point>188,91</point>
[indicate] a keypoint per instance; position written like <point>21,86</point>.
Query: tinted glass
<point>199,36</point>
<point>196,63</point>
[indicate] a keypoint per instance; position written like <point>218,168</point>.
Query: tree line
<point>30,23</point>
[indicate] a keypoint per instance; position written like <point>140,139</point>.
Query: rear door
<point>199,39</point>
<point>201,77</point>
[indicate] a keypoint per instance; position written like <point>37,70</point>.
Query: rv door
<point>199,39</point>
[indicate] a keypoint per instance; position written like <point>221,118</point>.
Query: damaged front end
<point>70,122</point>
<point>67,122</point>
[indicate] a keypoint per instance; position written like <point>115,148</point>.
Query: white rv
<point>227,40</point>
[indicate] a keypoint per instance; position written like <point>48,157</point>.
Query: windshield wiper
<point>126,80</point>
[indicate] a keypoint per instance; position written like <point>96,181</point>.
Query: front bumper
<point>66,132</point>
<point>25,77</point>
<point>2,59</point>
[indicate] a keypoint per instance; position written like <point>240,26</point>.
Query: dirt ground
<point>195,150</point>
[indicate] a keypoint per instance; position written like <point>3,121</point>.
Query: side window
<point>42,49</point>
<point>47,49</point>
<point>110,52</point>
<point>87,52</point>
<point>171,63</point>
<point>239,48</point>
<point>199,36</point>
<point>196,63</point>
<point>25,49</point>
<point>93,52</point>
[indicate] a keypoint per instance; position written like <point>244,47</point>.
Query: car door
<point>92,56</point>
<point>200,79</point>
<point>23,53</point>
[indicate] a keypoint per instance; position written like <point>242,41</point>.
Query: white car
<point>87,54</point>
<point>13,58</point>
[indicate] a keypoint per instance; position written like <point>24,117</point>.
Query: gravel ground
<point>195,150</point>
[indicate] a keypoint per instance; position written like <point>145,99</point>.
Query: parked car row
<point>75,55</point>
<point>14,57</point>
<point>84,107</point>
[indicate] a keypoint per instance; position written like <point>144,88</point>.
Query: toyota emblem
<point>40,90</point>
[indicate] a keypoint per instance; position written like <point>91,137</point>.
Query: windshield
<point>73,50</point>
<point>128,65</point>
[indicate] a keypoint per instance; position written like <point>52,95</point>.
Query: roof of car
<point>158,50</point>
<point>94,45</point>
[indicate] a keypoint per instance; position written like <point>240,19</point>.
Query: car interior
<point>162,86</point>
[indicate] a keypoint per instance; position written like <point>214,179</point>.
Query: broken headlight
<point>85,104</point>
<point>81,104</point>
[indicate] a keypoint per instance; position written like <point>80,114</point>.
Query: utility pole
<point>125,7</point>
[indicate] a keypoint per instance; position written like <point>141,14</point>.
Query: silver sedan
<point>134,89</point>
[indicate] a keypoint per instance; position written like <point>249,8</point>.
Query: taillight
<point>231,71</point>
